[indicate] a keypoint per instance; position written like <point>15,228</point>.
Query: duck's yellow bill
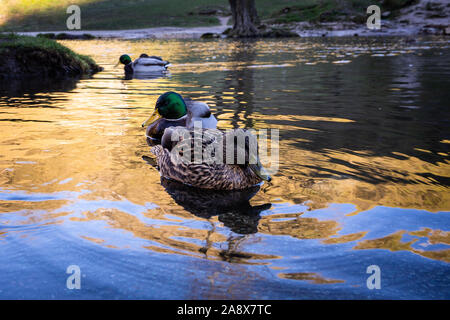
<point>155,116</point>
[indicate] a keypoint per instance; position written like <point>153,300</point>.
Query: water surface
<point>363,175</point>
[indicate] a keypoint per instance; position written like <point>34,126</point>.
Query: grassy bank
<point>50,15</point>
<point>332,10</point>
<point>24,56</point>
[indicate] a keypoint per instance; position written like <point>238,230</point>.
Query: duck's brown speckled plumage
<point>202,175</point>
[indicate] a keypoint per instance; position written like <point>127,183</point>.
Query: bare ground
<point>425,17</point>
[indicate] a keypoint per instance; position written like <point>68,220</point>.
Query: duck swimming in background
<point>172,110</point>
<point>143,64</point>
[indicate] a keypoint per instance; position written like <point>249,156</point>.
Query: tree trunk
<point>244,17</point>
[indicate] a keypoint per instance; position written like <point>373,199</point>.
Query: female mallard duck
<point>176,160</point>
<point>172,110</point>
<point>143,64</point>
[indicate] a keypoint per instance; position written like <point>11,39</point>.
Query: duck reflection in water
<point>233,207</point>
<point>146,75</point>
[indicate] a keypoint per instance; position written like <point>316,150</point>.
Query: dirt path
<point>152,33</point>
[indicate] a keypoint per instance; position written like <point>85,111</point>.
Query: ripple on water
<point>362,179</point>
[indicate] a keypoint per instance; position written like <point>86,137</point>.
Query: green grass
<point>50,15</point>
<point>305,11</point>
<point>322,10</point>
<point>326,10</point>
<point>35,53</point>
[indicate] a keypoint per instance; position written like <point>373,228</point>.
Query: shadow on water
<point>239,82</point>
<point>388,107</point>
<point>146,75</point>
<point>232,207</point>
<point>18,88</point>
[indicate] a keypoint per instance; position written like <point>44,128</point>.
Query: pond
<point>362,180</point>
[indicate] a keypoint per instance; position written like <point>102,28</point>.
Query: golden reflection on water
<point>394,242</point>
<point>310,277</point>
<point>86,145</point>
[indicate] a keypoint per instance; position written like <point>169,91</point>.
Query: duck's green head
<point>169,105</point>
<point>125,59</point>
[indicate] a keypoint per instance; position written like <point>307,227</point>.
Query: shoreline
<point>304,30</point>
<point>331,29</point>
<point>25,57</point>
<point>415,20</point>
<point>388,29</point>
<point>146,33</point>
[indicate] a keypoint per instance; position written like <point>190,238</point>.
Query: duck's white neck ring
<point>177,119</point>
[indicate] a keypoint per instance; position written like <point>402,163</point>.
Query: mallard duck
<point>143,64</point>
<point>176,163</point>
<point>172,110</point>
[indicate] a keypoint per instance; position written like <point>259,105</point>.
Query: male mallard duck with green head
<point>173,114</point>
<point>143,64</point>
<point>172,110</point>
